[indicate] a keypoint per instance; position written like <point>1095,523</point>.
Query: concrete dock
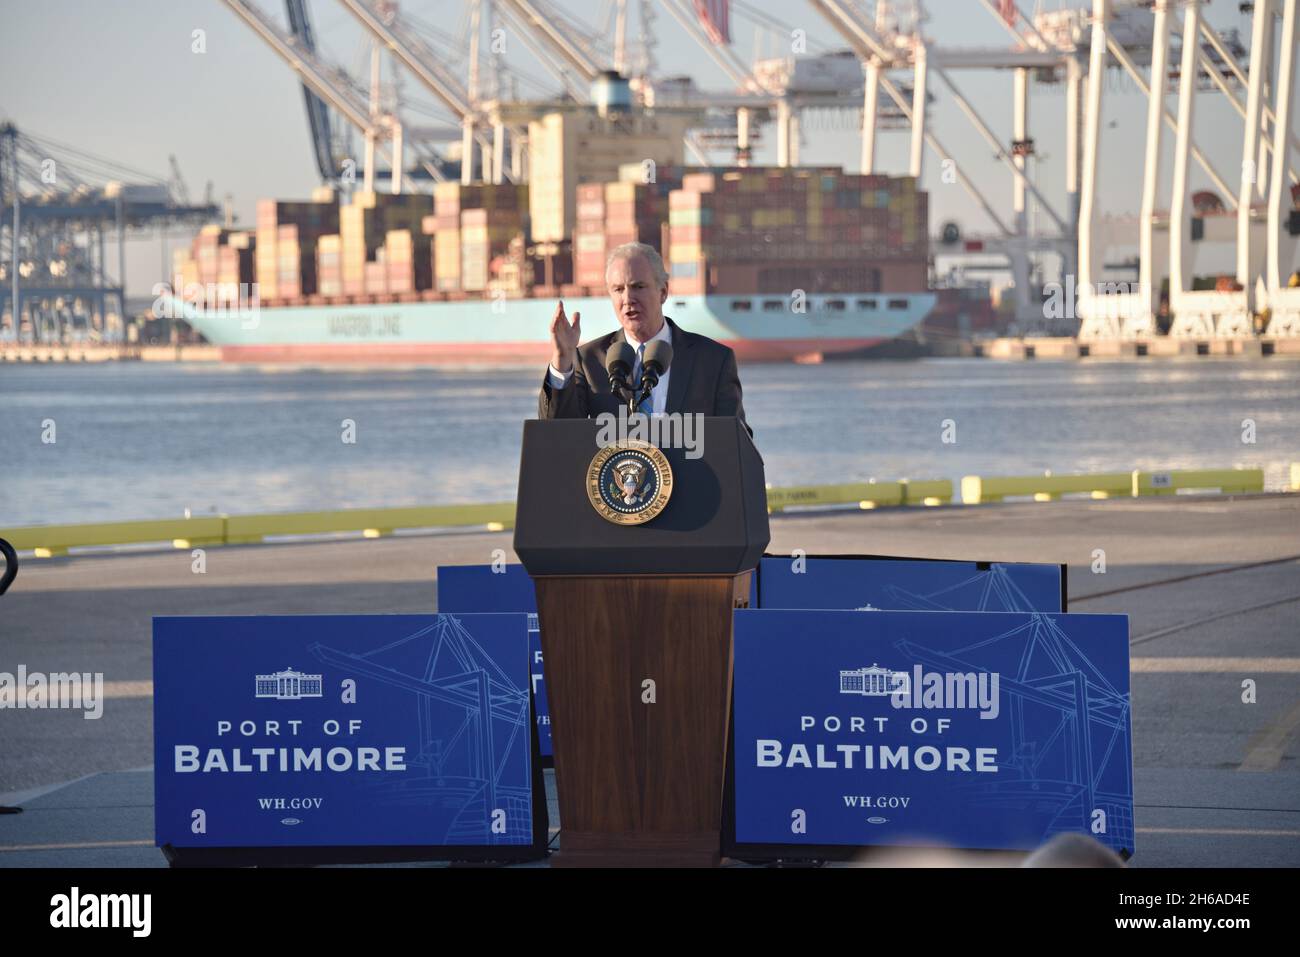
<point>1211,585</point>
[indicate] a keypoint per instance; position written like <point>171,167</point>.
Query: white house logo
<point>288,685</point>
<point>874,681</point>
<point>977,690</point>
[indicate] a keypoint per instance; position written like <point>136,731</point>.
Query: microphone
<point>618,363</point>
<point>658,357</point>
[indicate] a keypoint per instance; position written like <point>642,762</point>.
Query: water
<point>148,440</point>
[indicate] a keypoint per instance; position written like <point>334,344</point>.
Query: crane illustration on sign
<point>1078,774</point>
<point>992,589</point>
<point>473,731</point>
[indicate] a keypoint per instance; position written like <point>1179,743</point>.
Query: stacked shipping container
<point>611,214</point>
<point>485,234</point>
<point>408,262</point>
<point>287,233</point>
<point>235,264</point>
<point>185,270</point>
<point>753,230</point>
<point>329,266</point>
<point>776,230</point>
<point>206,245</point>
<point>569,149</point>
<point>444,226</point>
<point>364,227</point>
<point>505,207</point>
<point>217,257</point>
<point>589,236</point>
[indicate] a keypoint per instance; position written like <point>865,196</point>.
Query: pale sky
<point>119,79</point>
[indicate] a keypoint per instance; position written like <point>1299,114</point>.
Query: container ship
<point>778,263</point>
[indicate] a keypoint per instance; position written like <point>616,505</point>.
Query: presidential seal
<point>629,483</point>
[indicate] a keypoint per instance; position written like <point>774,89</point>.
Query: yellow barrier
<point>371,522</point>
<point>1169,482</point>
<point>50,540</point>
<point>865,494</point>
<point>927,491</point>
<point>1045,488</point>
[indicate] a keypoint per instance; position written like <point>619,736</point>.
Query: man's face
<point>636,296</point>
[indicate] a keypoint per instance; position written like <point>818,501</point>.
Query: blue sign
<point>487,588</point>
<point>960,729</point>
<point>898,584</point>
<point>335,730</point>
<point>482,588</point>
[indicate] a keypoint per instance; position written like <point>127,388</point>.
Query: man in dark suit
<point>702,377</point>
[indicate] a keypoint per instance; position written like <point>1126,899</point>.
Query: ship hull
<point>510,353</point>
<point>516,331</point>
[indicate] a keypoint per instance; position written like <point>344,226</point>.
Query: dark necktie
<point>644,405</point>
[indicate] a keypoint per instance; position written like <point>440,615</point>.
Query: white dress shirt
<point>658,396</point>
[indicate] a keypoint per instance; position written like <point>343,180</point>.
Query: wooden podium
<point>636,640</point>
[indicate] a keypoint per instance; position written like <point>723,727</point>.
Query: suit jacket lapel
<point>679,373</point>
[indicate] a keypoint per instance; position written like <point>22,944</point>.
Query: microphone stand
<point>649,379</point>
<point>621,388</point>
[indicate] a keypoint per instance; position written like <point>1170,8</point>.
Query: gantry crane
<point>334,87</point>
<point>58,206</point>
<point>318,114</point>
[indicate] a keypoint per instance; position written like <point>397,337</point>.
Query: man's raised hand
<point>564,339</point>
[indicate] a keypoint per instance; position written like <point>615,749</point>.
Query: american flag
<point>715,17</point>
<point>1009,11</point>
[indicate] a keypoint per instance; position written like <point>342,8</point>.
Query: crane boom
<point>548,28</point>
<point>318,114</point>
<point>414,53</point>
<point>315,73</point>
